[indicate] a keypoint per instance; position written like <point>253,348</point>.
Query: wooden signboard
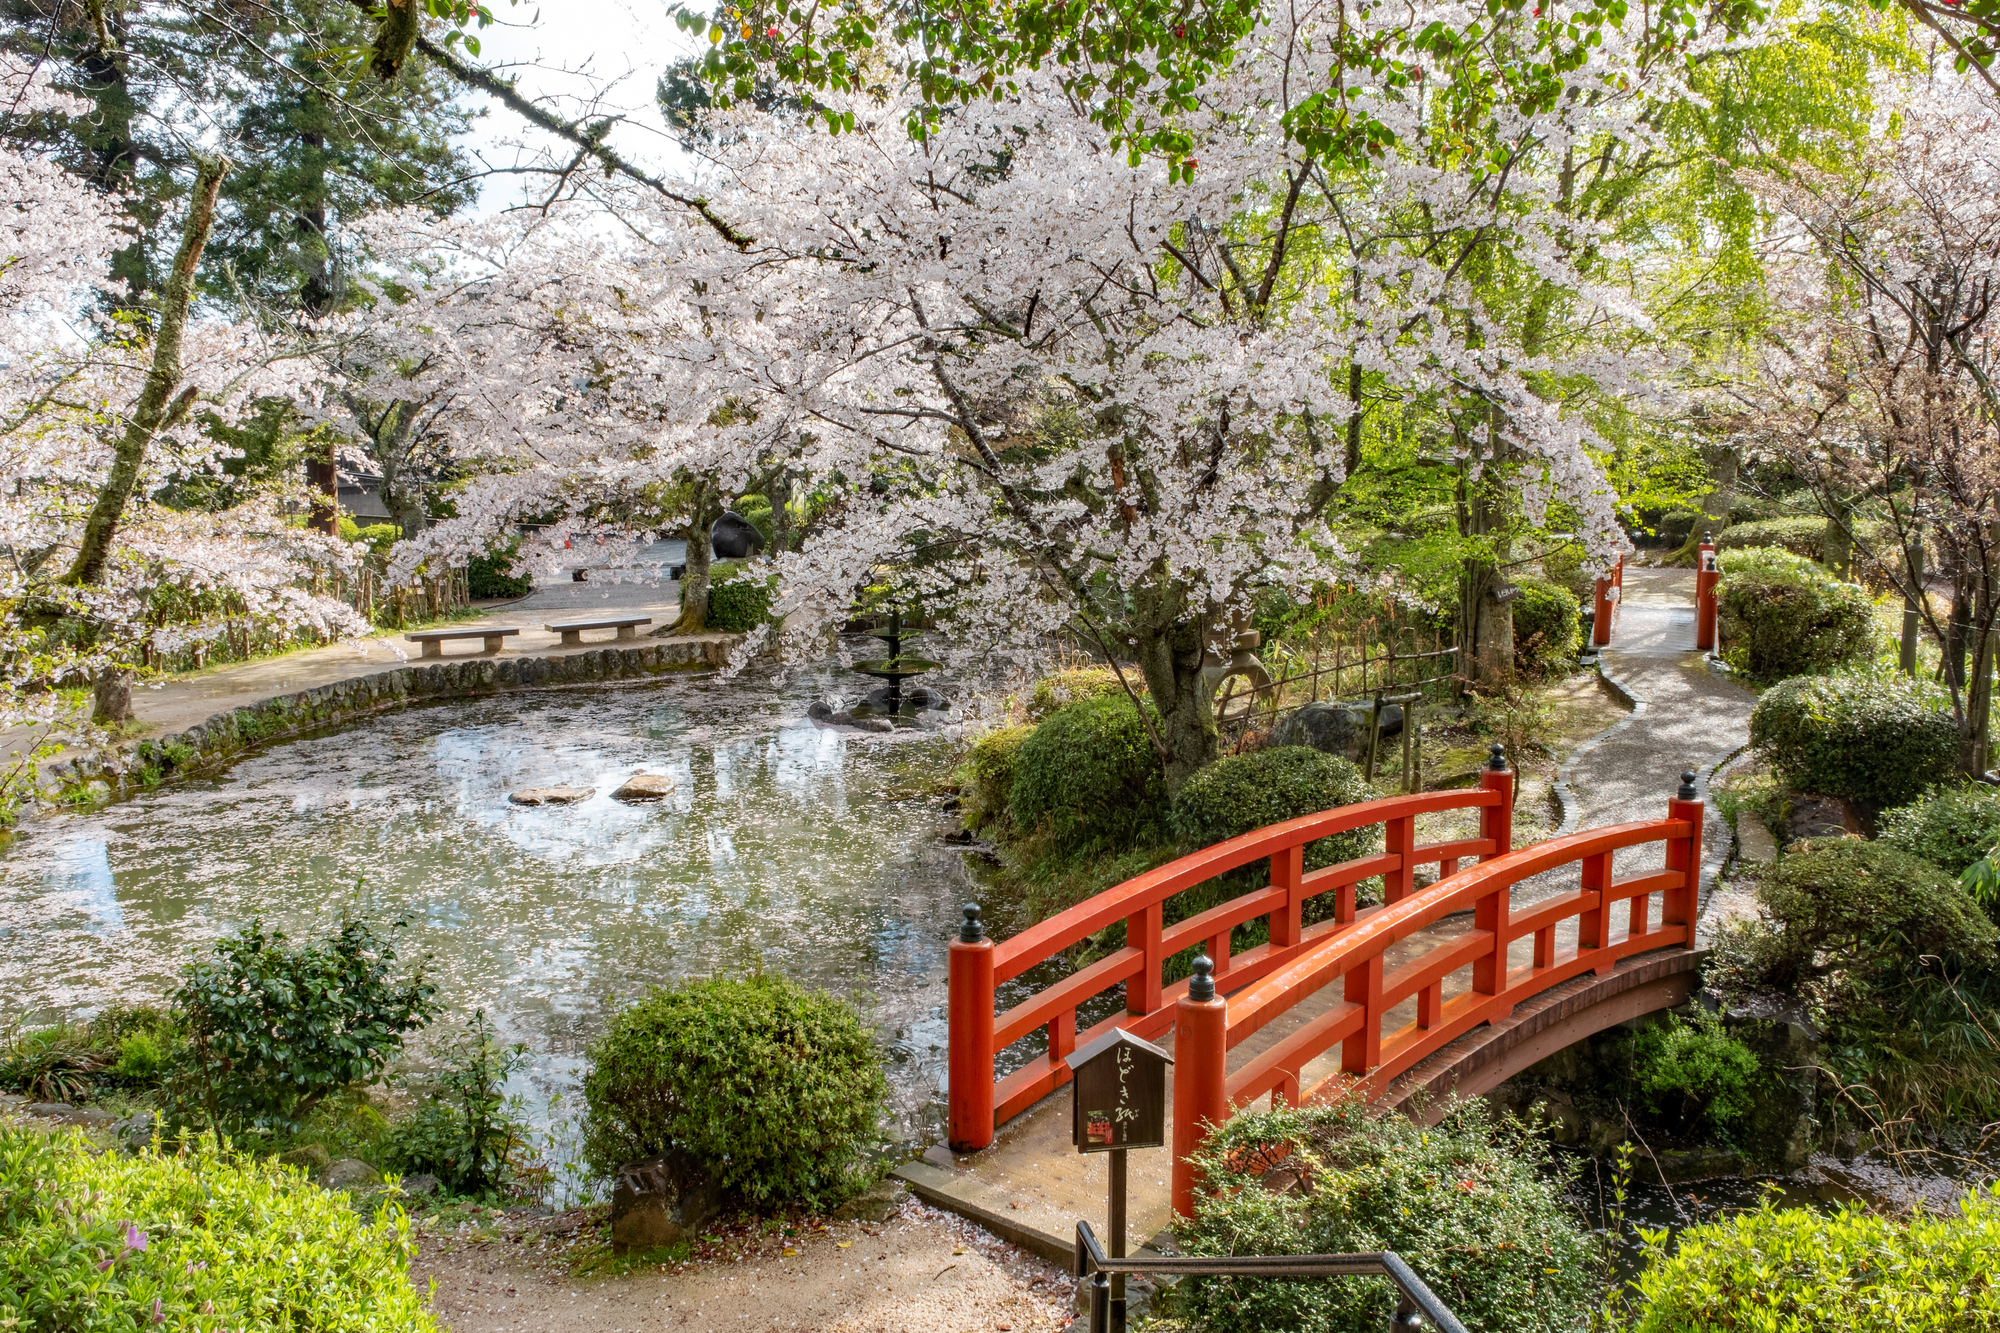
<point>1121,1094</point>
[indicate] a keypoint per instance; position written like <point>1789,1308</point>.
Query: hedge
<point>1875,740</point>
<point>1789,615</point>
<point>193,1239</point>
<point>739,604</point>
<point>1088,777</point>
<point>987,776</point>
<point>1801,535</point>
<point>1242,792</point>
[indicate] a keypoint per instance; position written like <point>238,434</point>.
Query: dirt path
<point>922,1271</point>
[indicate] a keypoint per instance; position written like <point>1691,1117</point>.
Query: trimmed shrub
<point>1076,685</point>
<point>1951,826</point>
<point>1088,777</point>
<point>1548,627</point>
<point>196,1239</point>
<point>1802,535</point>
<point>769,1090</point>
<point>1474,1206</point>
<point>487,575</point>
<point>1876,740</point>
<point>1790,1270</point>
<point>1677,525</point>
<point>1789,616</point>
<point>1693,1073</point>
<point>987,775</point>
<point>275,1028</point>
<point>1842,907</point>
<point>1242,792</point>
<point>739,605</point>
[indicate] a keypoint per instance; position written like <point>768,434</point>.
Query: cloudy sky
<point>577,55</point>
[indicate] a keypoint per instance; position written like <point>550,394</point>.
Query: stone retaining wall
<point>141,765</point>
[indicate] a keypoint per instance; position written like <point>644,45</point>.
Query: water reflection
<point>779,848</point>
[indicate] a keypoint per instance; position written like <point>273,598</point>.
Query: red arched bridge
<point>1450,986</point>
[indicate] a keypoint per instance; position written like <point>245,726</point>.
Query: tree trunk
<point>1836,545</point>
<point>1172,660</point>
<point>158,407</point>
<point>1723,462</point>
<point>325,483</point>
<point>703,510</point>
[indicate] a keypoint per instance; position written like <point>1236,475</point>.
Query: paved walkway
<point>1031,1185</point>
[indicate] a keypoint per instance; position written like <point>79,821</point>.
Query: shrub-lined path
<point>1031,1185</point>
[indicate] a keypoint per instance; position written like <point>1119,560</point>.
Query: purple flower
<point>135,1239</point>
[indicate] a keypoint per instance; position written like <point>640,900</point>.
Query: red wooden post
<point>1592,922</point>
<point>1705,578</point>
<point>1600,615</point>
<point>1363,986</point>
<point>1201,1050</point>
<point>1288,872</point>
<point>1401,840</point>
<point>1496,822</point>
<point>969,1059</point>
<point>1142,931</point>
<point>1684,855</point>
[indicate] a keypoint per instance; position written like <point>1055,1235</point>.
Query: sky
<point>564,53</point>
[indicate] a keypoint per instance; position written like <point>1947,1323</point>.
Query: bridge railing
<point>1207,1027</point>
<point>978,1103</point>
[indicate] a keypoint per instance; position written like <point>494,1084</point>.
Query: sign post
<point>1120,1103</point>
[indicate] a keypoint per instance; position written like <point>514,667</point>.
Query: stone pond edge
<point>139,766</point>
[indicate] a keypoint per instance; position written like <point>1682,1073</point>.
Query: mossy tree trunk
<point>705,506</point>
<point>1172,658</point>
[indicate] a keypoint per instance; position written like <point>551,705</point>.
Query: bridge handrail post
<point>1600,615</point>
<point>1288,872</point>
<point>1496,823</point>
<point>1201,1053</point>
<point>1705,578</point>
<point>1684,854</point>
<point>969,1053</point>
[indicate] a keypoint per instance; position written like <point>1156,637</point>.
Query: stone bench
<point>434,640</point>
<point>572,630</point>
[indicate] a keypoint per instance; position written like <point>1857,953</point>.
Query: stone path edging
<point>141,765</point>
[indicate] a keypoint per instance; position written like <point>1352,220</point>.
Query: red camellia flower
<point>770,32</point>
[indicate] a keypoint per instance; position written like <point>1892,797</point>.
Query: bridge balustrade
<point>979,1103</point>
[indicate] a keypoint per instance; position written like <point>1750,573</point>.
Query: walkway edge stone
<point>142,765</point>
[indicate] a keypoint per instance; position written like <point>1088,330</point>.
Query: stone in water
<point>551,795</point>
<point>644,787</point>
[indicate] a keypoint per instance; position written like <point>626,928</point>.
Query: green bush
<point>56,1063</point>
<point>487,575</point>
<point>756,509</point>
<point>1803,536</point>
<point>1242,792</point>
<point>467,1132</point>
<point>987,776</point>
<point>1548,627</point>
<point>1789,616</point>
<point>1951,826</point>
<point>1677,525</point>
<point>1842,908</point>
<point>1475,1207</point>
<point>198,1239</point>
<point>1693,1073</point>
<point>275,1028</point>
<point>379,536</point>
<point>1796,1270</point>
<point>1075,685</point>
<point>739,605</point>
<point>1088,777</point>
<point>1877,740</point>
<point>771,1091</point>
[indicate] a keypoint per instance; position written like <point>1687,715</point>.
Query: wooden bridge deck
<point>1031,1185</point>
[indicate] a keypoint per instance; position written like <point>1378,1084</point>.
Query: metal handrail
<point>1419,1303</point>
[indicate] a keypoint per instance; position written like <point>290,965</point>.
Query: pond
<point>784,846</point>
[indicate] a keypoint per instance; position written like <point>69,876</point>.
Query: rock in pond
<point>661,1201</point>
<point>551,795</point>
<point>644,787</point>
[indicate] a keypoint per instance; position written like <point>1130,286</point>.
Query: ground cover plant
<point>191,1237</point>
<point>1473,1204</point>
<point>758,1086</point>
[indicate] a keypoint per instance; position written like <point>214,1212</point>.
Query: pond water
<point>785,846</point>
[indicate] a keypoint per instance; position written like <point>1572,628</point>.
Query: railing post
<point>1600,612</point>
<point>1201,1052</point>
<point>969,1057</point>
<point>1142,931</point>
<point>1496,823</point>
<point>1363,986</point>
<point>1288,872</point>
<point>1400,839</point>
<point>1684,854</point>
<point>1705,578</point>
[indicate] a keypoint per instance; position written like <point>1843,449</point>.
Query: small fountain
<point>889,700</point>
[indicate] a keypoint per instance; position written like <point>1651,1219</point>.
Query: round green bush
<point>1800,535</point>
<point>767,1089</point>
<point>739,604</point>
<point>987,776</point>
<point>487,576</point>
<point>1475,1207</point>
<point>1242,792</point>
<point>1857,1270</point>
<point>1088,777</point>
<point>1950,826</point>
<point>1789,615</point>
<point>1875,740</point>
<point>197,1238</point>
<point>1548,627</point>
